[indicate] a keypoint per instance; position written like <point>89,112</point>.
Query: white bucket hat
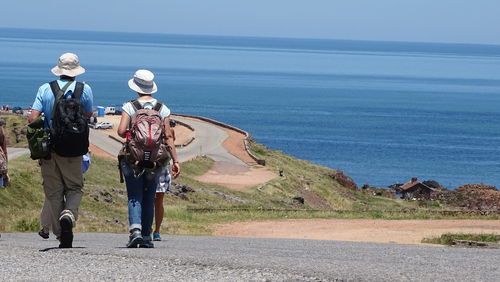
<point>142,82</point>
<point>68,65</point>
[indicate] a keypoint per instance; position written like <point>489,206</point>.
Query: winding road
<point>209,139</point>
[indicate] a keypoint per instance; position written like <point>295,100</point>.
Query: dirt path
<point>359,230</point>
<point>235,176</point>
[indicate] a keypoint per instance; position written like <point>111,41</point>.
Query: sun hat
<point>142,82</point>
<point>68,65</point>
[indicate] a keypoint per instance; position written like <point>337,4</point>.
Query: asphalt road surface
<point>17,152</point>
<point>97,256</point>
<point>208,141</point>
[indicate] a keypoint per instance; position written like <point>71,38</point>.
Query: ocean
<point>383,112</point>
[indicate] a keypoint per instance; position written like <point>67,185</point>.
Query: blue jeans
<point>141,198</point>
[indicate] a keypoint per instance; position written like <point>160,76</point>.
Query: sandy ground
<point>235,144</point>
<point>182,133</point>
<point>235,176</point>
<point>358,230</point>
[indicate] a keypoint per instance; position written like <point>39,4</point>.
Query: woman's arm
<point>176,168</point>
<point>124,122</point>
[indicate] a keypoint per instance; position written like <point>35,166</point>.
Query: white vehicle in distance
<point>103,125</point>
<point>109,110</point>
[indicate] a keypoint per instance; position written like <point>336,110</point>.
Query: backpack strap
<point>136,105</point>
<point>58,93</point>
<point>54,86</point>
<point>158,106</point>
<point>78,90</point>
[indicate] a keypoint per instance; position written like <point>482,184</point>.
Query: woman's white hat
<point>68,65</point>
<point>143,83</point>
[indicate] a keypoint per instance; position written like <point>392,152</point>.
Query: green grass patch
<point>196,167</point>
<point>448,238</point>
<point>16,126</point>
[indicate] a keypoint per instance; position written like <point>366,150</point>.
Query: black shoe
<point>43,234</point>
<point>146,244</point>
<point>66,232</point>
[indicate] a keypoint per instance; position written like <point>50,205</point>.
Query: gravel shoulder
<point>356,230</point>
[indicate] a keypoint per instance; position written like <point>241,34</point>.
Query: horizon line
<point>253,36</point>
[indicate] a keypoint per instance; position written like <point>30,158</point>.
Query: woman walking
<point>145,124</point>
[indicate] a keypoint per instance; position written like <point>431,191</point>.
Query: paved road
<point>16,152</point>
<point>183,258</point>
<point>208,142</point>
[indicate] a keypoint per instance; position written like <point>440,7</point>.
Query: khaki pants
<point>63,185</point>
<point>46,216</point>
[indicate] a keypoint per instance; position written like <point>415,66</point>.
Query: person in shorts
<point>163,186</point>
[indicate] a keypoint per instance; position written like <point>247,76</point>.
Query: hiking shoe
<point>43,234</point>
<point>156,237</point>
<point>66,231</point>
<point>146,244</point>
<point>135,239</point>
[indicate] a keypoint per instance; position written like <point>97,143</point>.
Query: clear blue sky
<point>463,21</point>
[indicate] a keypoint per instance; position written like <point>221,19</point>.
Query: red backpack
<point>146,147</point>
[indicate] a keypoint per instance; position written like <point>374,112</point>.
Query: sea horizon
<point>383,112</point>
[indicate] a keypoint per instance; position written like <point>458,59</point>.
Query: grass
<point>104,205</point>
<point>16,123</point>
<point>448,238</point>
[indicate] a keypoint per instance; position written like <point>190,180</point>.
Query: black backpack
<point>70,131</point>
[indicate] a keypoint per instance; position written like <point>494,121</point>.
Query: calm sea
<point>381,111</point>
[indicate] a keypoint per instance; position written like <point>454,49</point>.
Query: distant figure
<point>66,112</point>
<point>4,158</point>
<point>162,187</point>
<point>142,159</point>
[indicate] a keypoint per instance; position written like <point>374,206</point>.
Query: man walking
<point>65,104</point>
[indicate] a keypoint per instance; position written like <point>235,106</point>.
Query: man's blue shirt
<point>44,101</point>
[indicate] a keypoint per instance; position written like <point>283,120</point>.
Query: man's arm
<point>34,114</point>
<point>88,100</point>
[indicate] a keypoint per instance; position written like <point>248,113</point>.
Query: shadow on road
<point>57,248</point>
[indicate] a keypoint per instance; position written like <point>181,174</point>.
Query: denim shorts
<point>164,180</point>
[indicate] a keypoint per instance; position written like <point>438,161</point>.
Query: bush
<point>27,224</point>
<point>448,238</point>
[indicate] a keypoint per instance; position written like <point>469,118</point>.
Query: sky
<point>450,21</point>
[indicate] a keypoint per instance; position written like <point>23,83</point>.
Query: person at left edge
<point>62,175</point>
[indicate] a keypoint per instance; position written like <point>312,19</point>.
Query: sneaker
<point>66,231</point>
<point>135,239</point>
<point>43,234</point>
<point>146,244</point>
<point>156,237</point>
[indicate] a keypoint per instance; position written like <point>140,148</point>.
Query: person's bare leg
<point>158,211</point>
